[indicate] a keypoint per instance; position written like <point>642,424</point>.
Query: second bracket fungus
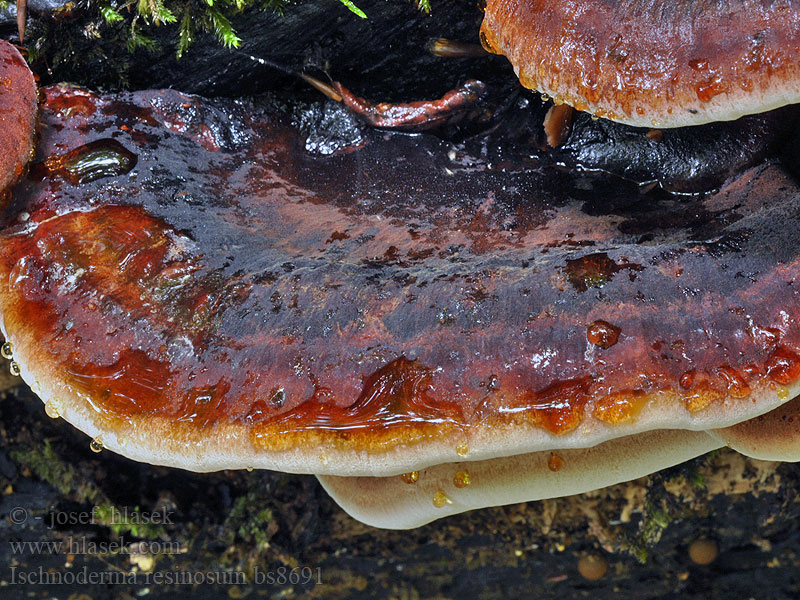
<point>653,63</point>
<point>192,288</point>
<point>17,115</point>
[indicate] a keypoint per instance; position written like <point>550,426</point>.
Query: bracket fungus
<point>17,115</point>
<point>184,282</point>
<point>658,63</point>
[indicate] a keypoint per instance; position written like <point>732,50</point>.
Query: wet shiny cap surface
<point>185,275</point>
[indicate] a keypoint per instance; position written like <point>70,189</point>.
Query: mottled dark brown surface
<point>17,114</point>
<point>401,288</point>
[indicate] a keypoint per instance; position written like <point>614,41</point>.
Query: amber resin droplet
<point>687,379</point>
<point>7,351</point>
<point>96,445</point>
<point>462,449</point>
<point>783,393</point>
<point>737,385</point>
<point>461,479</point>
<point>411,477</point>
<point>555,463</point>
<point>602,334</point>
<point>440,498</point>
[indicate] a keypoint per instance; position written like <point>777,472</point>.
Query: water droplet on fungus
<point>687,379</point>
<point>701,397</point>
<point>96,445</point>
<point>440,498</point>
<point>14,368</point>
<point>620,407</point>
<point>51,409</point>
<point>462,449</point>
<point>737,386</point>
<point>277,397</point>
<point>783,365</point>
<point>602,334</point>
<point>7,351</point>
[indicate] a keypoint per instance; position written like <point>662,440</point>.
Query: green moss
<point>251,520</point>
<point>48,466</point>
<point>135,20</point>
<point>698,480</point>
<point>134,522</point>
<point>655,519</point>
<point>191,17</point>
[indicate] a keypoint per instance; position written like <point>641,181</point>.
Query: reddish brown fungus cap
<point>195,287</point>
<point>17,114</point>
<point>653,63</point>
<point>772,436</point>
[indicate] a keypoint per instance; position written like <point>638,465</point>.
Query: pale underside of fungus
<point>184,282</point>
<point>653,63</point>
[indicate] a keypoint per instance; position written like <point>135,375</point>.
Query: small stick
<point>420,115</point>
<point>22,18</point>
<point>444,48</point>
<point>410,116</point>
<point>323,87</point>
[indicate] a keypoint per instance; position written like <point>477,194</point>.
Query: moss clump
<point>121,523</point>
<point>251,520</point>
<point>655,519</point>
<point>136,18</point>
<point>190,17</point>
<point>50,467</point>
